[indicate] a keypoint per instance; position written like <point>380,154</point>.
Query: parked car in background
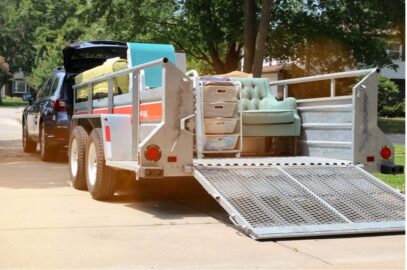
<point>46,121</point>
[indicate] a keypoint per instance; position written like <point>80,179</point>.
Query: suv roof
<point>59,69</point>
<point>95,43</point>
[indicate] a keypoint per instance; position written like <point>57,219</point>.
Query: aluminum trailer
<point>324,191</point>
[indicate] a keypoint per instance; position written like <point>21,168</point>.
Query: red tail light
<point>385,152</point>
<point>152,153</point>
<point>59,105</point>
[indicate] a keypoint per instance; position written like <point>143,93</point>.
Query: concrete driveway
<point>47,224</point>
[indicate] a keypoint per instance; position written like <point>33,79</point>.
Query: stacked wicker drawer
<point>221,117</point>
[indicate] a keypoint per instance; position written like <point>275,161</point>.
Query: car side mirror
<point>28,97</point>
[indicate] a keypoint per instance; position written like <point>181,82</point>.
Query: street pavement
<point>46,224</point>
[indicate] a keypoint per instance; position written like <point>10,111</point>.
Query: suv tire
<point>47,152</point>
<point>29,146</point>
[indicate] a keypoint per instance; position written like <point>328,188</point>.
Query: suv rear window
<point>57,84</point>
<point>45,88</point>
<point>99,53</point>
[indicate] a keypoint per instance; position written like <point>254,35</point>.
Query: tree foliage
<point>318,36</point>
<point>4,70</point>
<point>325,36</point>
<point>4,74</point>
<point>390,104</point>
<point>17,30</point>
<point>207,30</point>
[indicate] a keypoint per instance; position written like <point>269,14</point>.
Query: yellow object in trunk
<point>100,90</point>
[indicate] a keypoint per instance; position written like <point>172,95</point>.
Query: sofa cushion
<point>253,117</point>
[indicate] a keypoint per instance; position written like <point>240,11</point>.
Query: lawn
<point>13,102</point>
<point>391,125</point>
<point>396,181</point>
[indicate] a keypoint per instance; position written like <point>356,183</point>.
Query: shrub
<point>390,104</point>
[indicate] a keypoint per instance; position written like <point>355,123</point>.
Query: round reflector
<point>385,153</point>
<point>152,153</point>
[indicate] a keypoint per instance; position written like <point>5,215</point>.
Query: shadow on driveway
<point>167,199</point>
<point>170,198</point>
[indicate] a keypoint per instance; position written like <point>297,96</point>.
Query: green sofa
<point>263,115</point>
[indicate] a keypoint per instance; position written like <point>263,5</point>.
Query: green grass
<point>391,125</point>
<point>398,180</point>
<point>13,102</point>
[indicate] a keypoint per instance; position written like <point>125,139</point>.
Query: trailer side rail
<point>332,77</point>
<point>135,86</point>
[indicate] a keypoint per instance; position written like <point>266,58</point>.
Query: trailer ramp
<point>297,201</point>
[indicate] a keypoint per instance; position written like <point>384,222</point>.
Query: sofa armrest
<point>290,102</point>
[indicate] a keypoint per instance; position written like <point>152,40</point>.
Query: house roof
<point>275,68</point>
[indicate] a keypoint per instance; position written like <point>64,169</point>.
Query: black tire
<point>47,152</point>
<point>29,146</point>
<point>100,179</point>
<point>78,175</point>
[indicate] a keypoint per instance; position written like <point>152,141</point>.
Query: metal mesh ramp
<point>293,201</point>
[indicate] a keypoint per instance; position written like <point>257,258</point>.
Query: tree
<point>17,29</point>
<point>255,41</point>
<point>261,38</point>
<point>326,36</point>
<point>249,34</point>
<point>59,26</point>
<point>207,30</point>
<point>4,74</point>
<point>390,104</point>
<point>40,28</point>
<point>318,36</point>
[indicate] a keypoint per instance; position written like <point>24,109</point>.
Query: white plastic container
<point>220,125</point>
<point>219,109</point>
<point>220,92</point>
<point>221,142</point>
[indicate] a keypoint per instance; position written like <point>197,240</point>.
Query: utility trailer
<point>325,189</point>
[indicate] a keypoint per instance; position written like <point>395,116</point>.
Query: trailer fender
<point>116,136</point>
<point>116,131</point>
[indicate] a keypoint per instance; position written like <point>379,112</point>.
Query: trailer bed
<point>271,198</point>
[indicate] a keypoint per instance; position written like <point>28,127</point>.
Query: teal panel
<point>140,53</point>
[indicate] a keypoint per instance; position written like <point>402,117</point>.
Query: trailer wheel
<point>29,146</point>
<point>77,155</point>
<point>100,179</point>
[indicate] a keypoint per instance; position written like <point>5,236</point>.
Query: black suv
<point>47,119</point>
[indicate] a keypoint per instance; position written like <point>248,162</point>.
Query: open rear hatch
<point>82,56</point>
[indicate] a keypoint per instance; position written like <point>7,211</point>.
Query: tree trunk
<point>231,61</point>
<point>249,34</point>
<point>232,58</point>
<point>262,38</point>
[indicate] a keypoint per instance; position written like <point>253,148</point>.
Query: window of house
<point>394,50</point>
<point>19,86</point>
